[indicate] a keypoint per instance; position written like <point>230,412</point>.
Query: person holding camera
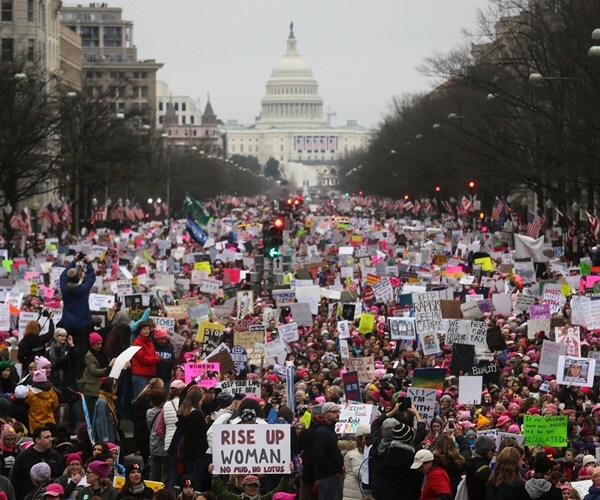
<point>75,286</point>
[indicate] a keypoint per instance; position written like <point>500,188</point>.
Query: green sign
<point>545,431</point>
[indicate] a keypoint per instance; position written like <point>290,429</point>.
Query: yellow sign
<point>367,322</point>
<point>486,263</point>
<point>208,326</point>
<point>33,289</point>
<point>119,481</point>
<point>305,419</point>
<point>202,266</point>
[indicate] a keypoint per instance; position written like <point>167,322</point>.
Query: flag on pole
<point>534,224</point>
<point>139,213</point>
<point>196,232</point>
<point>49,214</point>
<point>65,214</point>
<point>116,212</point>
<point>100,214</point>
<point>594,223</point>
<point>194,209</point>
<point>498,210</point>
<point>129,212</point>
<point>21,220</point>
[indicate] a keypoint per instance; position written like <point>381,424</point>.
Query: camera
<point>450,423</point>
<point>80,256</point>
<point>46,313</point>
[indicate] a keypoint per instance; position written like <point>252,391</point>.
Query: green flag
<point>194,209</point>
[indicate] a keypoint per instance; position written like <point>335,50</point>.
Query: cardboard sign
<point>242,387</point>
<point>122,358</point>
<point>424,401</point>
<point>364,366</point>
<point>549,355</point>
<point>428,312</point>
<point>252,449</point>
<point>351,416</point>
<point>545,431</point>
<point>209,335</point>
<point>248,339</point>
<point>224,359</point>
<point>209,373</point>
<point>402,328</point>
<point>160,322</point>
<point>523,302</point>
<point>98,302</point>
<point>288,332</point>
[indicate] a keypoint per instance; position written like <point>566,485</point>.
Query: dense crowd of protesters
<point>54,446</point>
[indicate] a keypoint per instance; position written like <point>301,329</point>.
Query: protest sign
<point>240,358</point>
<point>469,389</point>
<point>549,357</point>
<point>160,322</point>
<point>583,487</point>
<point>591,314</point>
<point>554,297</point>
<point>424,401</point>
<point>402,328</point>
<point>275,349</point>
<point>98,302</point>
<point>576,371</point>
<point>248,339</point>
<point>209,335</point>
<point>456,332</point>
<point>534,326</point>
<point>477,334</point>
<point>570,337</point>
<point>470,310</point>
<point>519,438</point>
<point>428,312</point>
<point>343,329</point>
<point>221,355</point>
<point>489,371</point>
<point>523,302</point>
<point>210,285</point>
<point>364,366</point>
<point>577,309</point>
<point>288,332</point>
<point>430,343</point>
<point>4,317</point>
<point>344,348</point>
<point>367,323</point>
<point>429,378</point>
<point>251,449</point>
<point>301,314</point>
<point>495,339</point>
<point>242,387</point>
<point>540,311</point>
<point>351,416</point>
<point>545,431</point>
<point>122,358</point>
<point>352,387</point>
<point>591,354</point>
<point>209,373</point>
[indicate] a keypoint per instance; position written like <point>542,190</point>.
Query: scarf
<point>110,401</point>
<point>136,490</point>
<point>101,357</point>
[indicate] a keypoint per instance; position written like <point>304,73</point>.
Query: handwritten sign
<point>252,449</point>
<point>242,387</point>
<point>364,366</point>
<point>288,332</point>
<point>428,312</point>
<point>424,401</point>
<point>208,371</point>
<point>545,431</point>
<point>351,416</point>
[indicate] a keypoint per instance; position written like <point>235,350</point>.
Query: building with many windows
<point>110,60</point>
<point>291,127</point>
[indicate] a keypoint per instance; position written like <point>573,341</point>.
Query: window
<point>136,75</point>
<point>183,120</point>
<point>31,50</point>
<point>176,106</point>
<point>160,107</point>
<point>7,10</point>
<point>183,106</point>
<point>161,119</point>
<point>7,49</point>
<point>192,119</point>
<point>30,17</point>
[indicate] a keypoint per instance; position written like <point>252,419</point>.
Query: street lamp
<point>539,78</point>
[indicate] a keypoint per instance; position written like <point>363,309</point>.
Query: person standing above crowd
<point>145,360</point>
<point>166,353</point>
<point>75,286</point>
<point>105,420</point>
<point>97,366</point>
<point>34,343</point>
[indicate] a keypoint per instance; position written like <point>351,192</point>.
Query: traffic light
<point>273,237</point>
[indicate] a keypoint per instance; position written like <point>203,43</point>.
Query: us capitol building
<point>291,127</point>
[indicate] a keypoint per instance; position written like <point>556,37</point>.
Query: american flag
<point>447,207</point>
<point>417,208</point>
<point>116,212</point>
<point>534,224</point>
<point>157,209</point>
<point>129,212</point>
<point>49,213</point>
<point>498,209</point>
<point>100,214</point>
<point>467,205</point>
<point>165,209</point>
<point>21,220</point>
<point>408,205</point>
<point>428,206</point>
<point>65,213</point>
<point>594,223</point>
<point>139,213</point>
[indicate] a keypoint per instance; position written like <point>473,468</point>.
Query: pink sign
<point>208,373</point>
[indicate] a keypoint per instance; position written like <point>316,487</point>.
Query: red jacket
<point>145,360</point>
<point>436,483</point>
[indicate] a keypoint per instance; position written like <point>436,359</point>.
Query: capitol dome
<point>292,93</point>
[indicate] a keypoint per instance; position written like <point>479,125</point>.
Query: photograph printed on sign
<point>245,303</point>
<point>402,328</point>
<point>430,343</point>
<point>576,371</point>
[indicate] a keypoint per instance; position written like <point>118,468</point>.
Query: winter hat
<point>363,430</point>
<point>484,444</point>
<point>403,433</point>
<point>589,459</point>
<point>281,495</point>
<point>99,468</point>
<point>72,275</point>
<point>187,481</point>
<point>134,467</point>
<point>73,457</point>
<point>387,428</point>
<point>543,464</point>
<point>95,338</point>
<point>40,472</point>
<point>503,420</point>
<point>59,331</point>
<point>54,490</point>
<point>21,391</point>
<point>248,415</point>
<point>482,421</point>
<point>161,333</point>
<point>40,376</point>
<point>514,429</point>
<point>224,399</point>
<point>327,407</point>
<point>41,362</point>
<point>7,431</point>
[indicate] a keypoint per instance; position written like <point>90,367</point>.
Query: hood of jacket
<point>346,445</point>
<point>536,487</point>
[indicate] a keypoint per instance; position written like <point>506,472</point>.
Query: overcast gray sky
<point>363,52</point>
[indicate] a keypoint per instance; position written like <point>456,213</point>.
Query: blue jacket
<point>76,308</point>
<point>103,425</point>
<point>594,493</point>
